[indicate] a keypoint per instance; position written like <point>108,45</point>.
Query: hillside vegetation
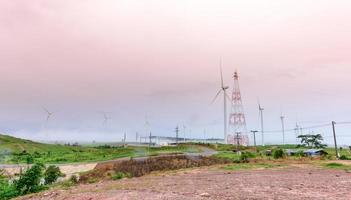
<point>14,150</point>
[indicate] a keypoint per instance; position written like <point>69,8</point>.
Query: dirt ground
<point>68,169</point>
<point>290,182</point>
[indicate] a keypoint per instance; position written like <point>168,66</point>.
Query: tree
<point>312,141</point>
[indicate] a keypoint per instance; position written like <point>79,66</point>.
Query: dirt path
<point>213,183</point>
<point>67,169</point>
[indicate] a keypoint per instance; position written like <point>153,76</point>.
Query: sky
<point>158,61</point>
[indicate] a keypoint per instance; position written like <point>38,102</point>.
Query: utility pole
<point>124,139</point>
<point>297,133</point>
<point>184,133</point>
<point>336,146</point>
<point>150,140</point>
<point>237,141</point>
<point>261,115</point>
<point>136,137</point>
<point>225,118</point>
<point>177,134</point>
<point>254,134</point>
<point>283,128</point>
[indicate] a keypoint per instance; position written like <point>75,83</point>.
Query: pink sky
<point>160,58</point>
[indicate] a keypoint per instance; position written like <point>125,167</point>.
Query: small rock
<point>205,194</point>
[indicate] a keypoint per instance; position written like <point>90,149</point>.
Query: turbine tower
<point>260,111</point>
<point>223,89</point>
<point>237,121</point>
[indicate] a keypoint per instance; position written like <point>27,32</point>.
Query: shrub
<point>29,159</point>
<point>343,157</point>
<point>29,182</point>
<point>52,173</point>
<point>7,191</point>
<point>278,153</point>
<point>73,179</point>
<point>120,175</point>
<point>300,154</point>
<point>244,156</point>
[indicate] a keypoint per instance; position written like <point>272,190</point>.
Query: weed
<point>338,166</point>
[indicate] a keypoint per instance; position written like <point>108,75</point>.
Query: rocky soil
<point>292,182</point>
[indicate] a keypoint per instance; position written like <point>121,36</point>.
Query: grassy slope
<point>11,152</point>
<point>11,149</point>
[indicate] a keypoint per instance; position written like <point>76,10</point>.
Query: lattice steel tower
<point>237,121</point>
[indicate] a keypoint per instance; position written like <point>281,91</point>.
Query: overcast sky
<point>159,58</point>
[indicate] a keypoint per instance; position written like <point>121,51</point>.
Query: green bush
<point>7,191</point>
<point>343,157</point>
<point>300,153</point>
<point>245,156</point>
<point>29,159</point>
<point>52,173</point>
<point>29,182</point>
<point>120,175</point>
<point>278,153</point>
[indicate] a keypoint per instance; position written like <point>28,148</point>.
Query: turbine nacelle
<point>225,88</point>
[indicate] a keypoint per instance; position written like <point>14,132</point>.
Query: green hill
<point>16,150</point>
<point>16,145</point>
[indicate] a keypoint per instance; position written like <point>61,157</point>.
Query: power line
<point>302,128</point>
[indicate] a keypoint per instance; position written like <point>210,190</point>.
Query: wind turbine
<point>106,118</point>
<point>49,114</point>
<point>223,90</point>
<point>260,111</point>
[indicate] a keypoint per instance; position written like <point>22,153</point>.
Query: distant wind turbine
<point>260,111</point>
<point>106,118</point>
<point>49,114</point>
<point>223,89</point>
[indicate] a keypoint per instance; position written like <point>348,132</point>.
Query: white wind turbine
<point>225,96</point>
<point>49,114</point>
<point>48,117</point>
<point>106,118</point>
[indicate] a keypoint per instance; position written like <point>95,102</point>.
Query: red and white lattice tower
<point>237,121</point>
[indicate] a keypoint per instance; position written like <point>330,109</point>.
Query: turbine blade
<point>46,110</point>
<point>220,68</point>
<point>258,103</point>
<point>214,99</point>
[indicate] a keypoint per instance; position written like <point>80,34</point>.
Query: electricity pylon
<point>237,121</point>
